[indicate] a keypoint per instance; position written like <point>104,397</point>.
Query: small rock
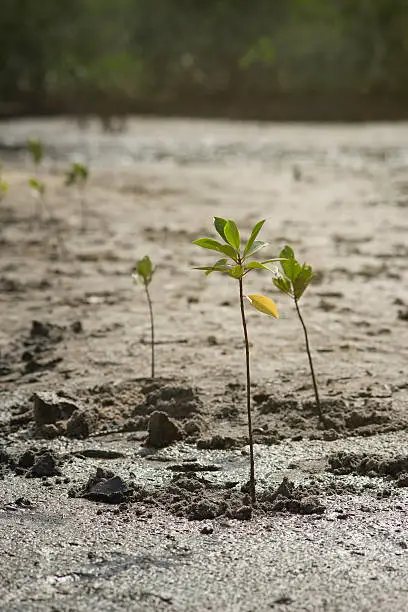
<point>76,327</point>
<point>26,460</point>
<point>80,425</point>
<point>207,530</point>
<point>49,430</point>
<point>244,513</point>
<point>192,428</point>
<point>402,481</point>
<point>217,443</point>
<point>44,465</point>
<point>162,431</point>
<point>50,408</point>
<point>111,490</point>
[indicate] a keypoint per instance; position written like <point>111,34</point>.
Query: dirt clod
<point>218,442</point>
<point>176,401</point>
<point>50,408</point>
<point>162,431</point>
<point>80,425</point>
<point>367,464</point>
<point>105,487</point>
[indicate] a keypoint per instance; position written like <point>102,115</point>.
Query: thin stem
<point>316,392</point>
<point>248,395</point>
<point>83,209</point>
<point>149,301</point>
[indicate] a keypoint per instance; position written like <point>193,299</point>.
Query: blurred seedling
<point>3,187</point>
<point>36,152</point>
<point>293,282</point>
<point>236,264</point>
<point>38,188</point>
<point>143,275</point>
<point>78,175</point>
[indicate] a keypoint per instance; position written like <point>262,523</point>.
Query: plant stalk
<point>248,395</point>
<point>84,216</point>
<point>149,301</point>
<point>316,392</point>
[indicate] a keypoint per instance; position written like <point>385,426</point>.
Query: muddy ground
<point>122,493</point>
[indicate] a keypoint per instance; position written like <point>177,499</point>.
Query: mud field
<point>122,493</point>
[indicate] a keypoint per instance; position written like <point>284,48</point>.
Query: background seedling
<point>143,274</point>
<point>36,152</point>
<point>3,186</point>
<point>78,175</point>
<point>294,282</point>
<point>236,265</point>
<point>39,189</point>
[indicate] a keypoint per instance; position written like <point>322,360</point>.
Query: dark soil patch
<point>32,353</point>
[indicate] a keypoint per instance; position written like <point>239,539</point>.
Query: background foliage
<point>83,55</point>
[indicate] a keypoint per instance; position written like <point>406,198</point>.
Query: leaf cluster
<point>236,263</point>
<point>36,150</point>
<point>296,277</point>
<point>77,174</point>
<point>144,271</point>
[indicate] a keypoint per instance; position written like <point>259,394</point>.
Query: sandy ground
<point>339,196</point>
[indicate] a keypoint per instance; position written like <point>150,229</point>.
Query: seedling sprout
<point>78,175</point>
<point>143,275</point>
<point>36,152</point>
<point>295,280</point>
<point>236,265</point>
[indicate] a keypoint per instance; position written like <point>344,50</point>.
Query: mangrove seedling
<point>142,275</point>
<point>36,152</point>
<point>236,265</point>
<point>38,190</point>
<point>78,175</point>
<point>3,187</point>
<point>293,282</point>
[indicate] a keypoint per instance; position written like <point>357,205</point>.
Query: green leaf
<point>255,247</point>
<point>283,284</point>
<point>213,245</point>
<point>144,270</point>
<point>264,304</point>
<point>257,228</point>
<point>38,186</point>
<point>219,224</point>
<point>290,266</point>
<point>232,234</point>
<point>303,280</point>
<point>35,149</point>
<point>287,252</point>
<point>3,187</point>
<point>255,265</point>
<point>215,268</point>
<point>221,262</point>
<point>237,272</point>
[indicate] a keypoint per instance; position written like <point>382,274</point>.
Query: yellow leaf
<point>264,304</point>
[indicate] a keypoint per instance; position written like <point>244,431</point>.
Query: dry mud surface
<point>122,493</point>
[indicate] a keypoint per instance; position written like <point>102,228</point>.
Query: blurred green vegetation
<point>123,55</point>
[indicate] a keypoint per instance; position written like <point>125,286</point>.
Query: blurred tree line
<point>121,55</point>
